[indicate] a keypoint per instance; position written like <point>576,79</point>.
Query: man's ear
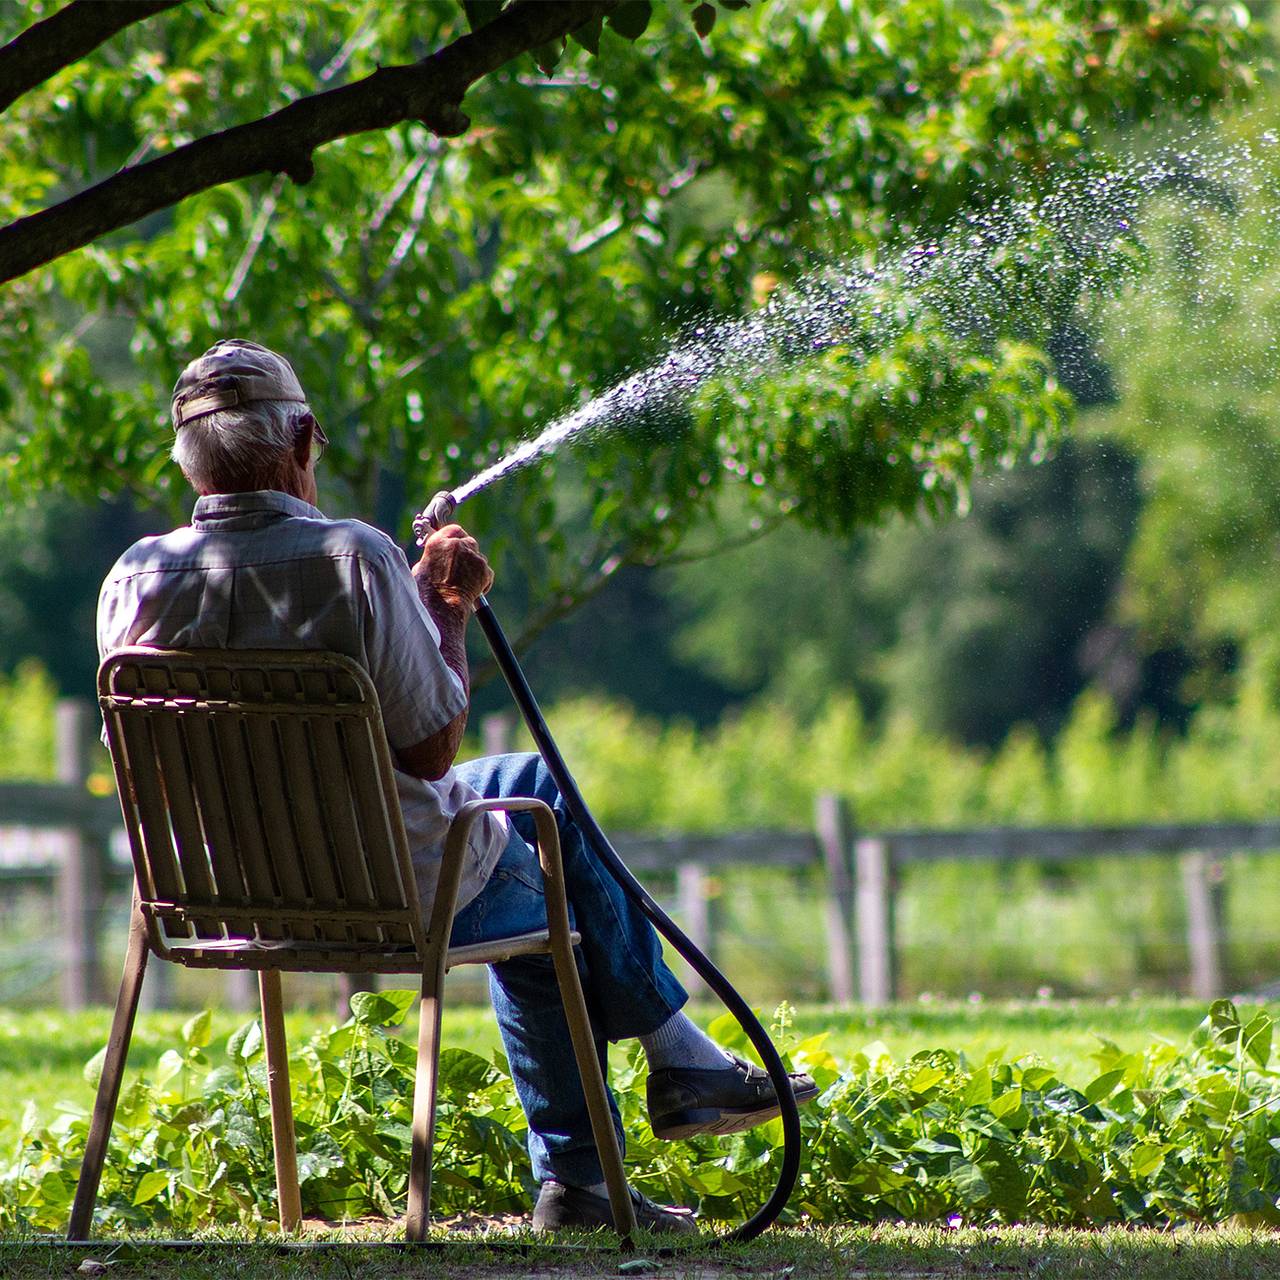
<point>304,440</point>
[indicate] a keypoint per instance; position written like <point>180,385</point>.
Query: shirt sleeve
<point>418,691</point>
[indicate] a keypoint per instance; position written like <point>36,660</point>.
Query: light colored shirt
<point>266,570</point>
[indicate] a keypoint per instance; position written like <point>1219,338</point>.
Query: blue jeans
<point>629,989</point>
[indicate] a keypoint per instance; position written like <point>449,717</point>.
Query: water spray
<point>439,512</point>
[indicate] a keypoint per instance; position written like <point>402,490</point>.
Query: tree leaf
<point>630,19</point>
<point>481,12</point>
<point>548,55</point>
<point>704,19</point>
<point>588,35</point>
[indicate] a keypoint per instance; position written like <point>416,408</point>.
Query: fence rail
<point>859,887</point>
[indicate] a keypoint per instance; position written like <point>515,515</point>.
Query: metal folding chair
<point>259,799</point>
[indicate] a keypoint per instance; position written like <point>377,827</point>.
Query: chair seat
<point>521,944</point>
<point>298,956</point>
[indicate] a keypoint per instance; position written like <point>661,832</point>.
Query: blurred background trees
<point>442,299</point>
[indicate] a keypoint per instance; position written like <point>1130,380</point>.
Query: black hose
<point>507,662</point>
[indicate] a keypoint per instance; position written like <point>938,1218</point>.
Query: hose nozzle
<point>437,513</point>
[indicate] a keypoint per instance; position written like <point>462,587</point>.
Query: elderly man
<point>260,567</point>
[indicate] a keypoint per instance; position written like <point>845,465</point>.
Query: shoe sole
<point>719,1120</point>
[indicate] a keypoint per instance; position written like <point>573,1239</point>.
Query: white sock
<point>680,1043</point>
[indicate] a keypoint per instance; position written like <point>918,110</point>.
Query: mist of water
<point>1073,240</point>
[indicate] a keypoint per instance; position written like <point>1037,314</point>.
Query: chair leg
<point>104,1106</point>
<point>424,1100</point>
<point>590,1068</point>
<point>282,1133</point>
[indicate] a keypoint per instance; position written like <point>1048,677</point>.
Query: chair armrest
<point>456,843</point>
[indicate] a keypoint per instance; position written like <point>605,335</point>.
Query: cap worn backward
<point>233,371</point>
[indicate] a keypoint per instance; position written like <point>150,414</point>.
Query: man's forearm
<point>450,577</point>
<point>436,756</point>
<point>451,622</point>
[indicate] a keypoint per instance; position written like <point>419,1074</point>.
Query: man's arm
<point>451,574</point>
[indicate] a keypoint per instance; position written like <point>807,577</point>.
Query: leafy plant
<point>1157,1137</point>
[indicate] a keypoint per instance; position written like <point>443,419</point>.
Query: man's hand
<point>453,567</point>
<point>450,575</point>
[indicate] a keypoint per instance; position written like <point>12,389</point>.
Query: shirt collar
<point>245,510</point>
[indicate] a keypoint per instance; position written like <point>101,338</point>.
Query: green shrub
<point>1164,1136</point>
<point>762,766</point>
<point>27,701</point>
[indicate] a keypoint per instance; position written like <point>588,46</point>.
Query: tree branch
<point>430,91</point>
<point>589,584</point>
<point>65,37</point>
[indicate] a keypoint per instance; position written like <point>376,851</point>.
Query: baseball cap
<point>233,371</point>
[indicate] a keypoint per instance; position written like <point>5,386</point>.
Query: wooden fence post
<point>695,914</point>
<point>874,898</point>
<point>496,732</point>
<point>831,822</point>
<point>1202,885</point>
<point>80,880</point>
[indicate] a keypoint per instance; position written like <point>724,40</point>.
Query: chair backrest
<point>259,798</point>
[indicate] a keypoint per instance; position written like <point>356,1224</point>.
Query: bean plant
<point>1164,1136</point>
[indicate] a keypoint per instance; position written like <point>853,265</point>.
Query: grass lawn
<point>857,1253</point>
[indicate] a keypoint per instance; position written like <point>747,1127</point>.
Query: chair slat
<point>160,864</point>
<point>271,803</point>
<point>299,773</point>
<point>333,776</point>
<point>277,815</point>
<point>243,810</point>
<point>377,824</point>
<point>188,835</point>
<point>206,777</point>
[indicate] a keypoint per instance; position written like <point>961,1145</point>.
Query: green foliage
<point>27,702</point>
<point>1199,405</point>
<point>440,299</point>
<point>1160,1136</point>
<point>192,1141</point>
<point>971,626</point>
<point>762,767</point>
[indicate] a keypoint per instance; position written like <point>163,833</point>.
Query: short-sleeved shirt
<point>266,570</point>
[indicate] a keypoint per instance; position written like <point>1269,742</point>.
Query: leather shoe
<point>688,1100</point>
<point>560,1208</point>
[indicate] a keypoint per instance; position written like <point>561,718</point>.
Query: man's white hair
<point>240,449</point>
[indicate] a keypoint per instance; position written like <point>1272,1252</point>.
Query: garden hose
<point>437,513</point>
